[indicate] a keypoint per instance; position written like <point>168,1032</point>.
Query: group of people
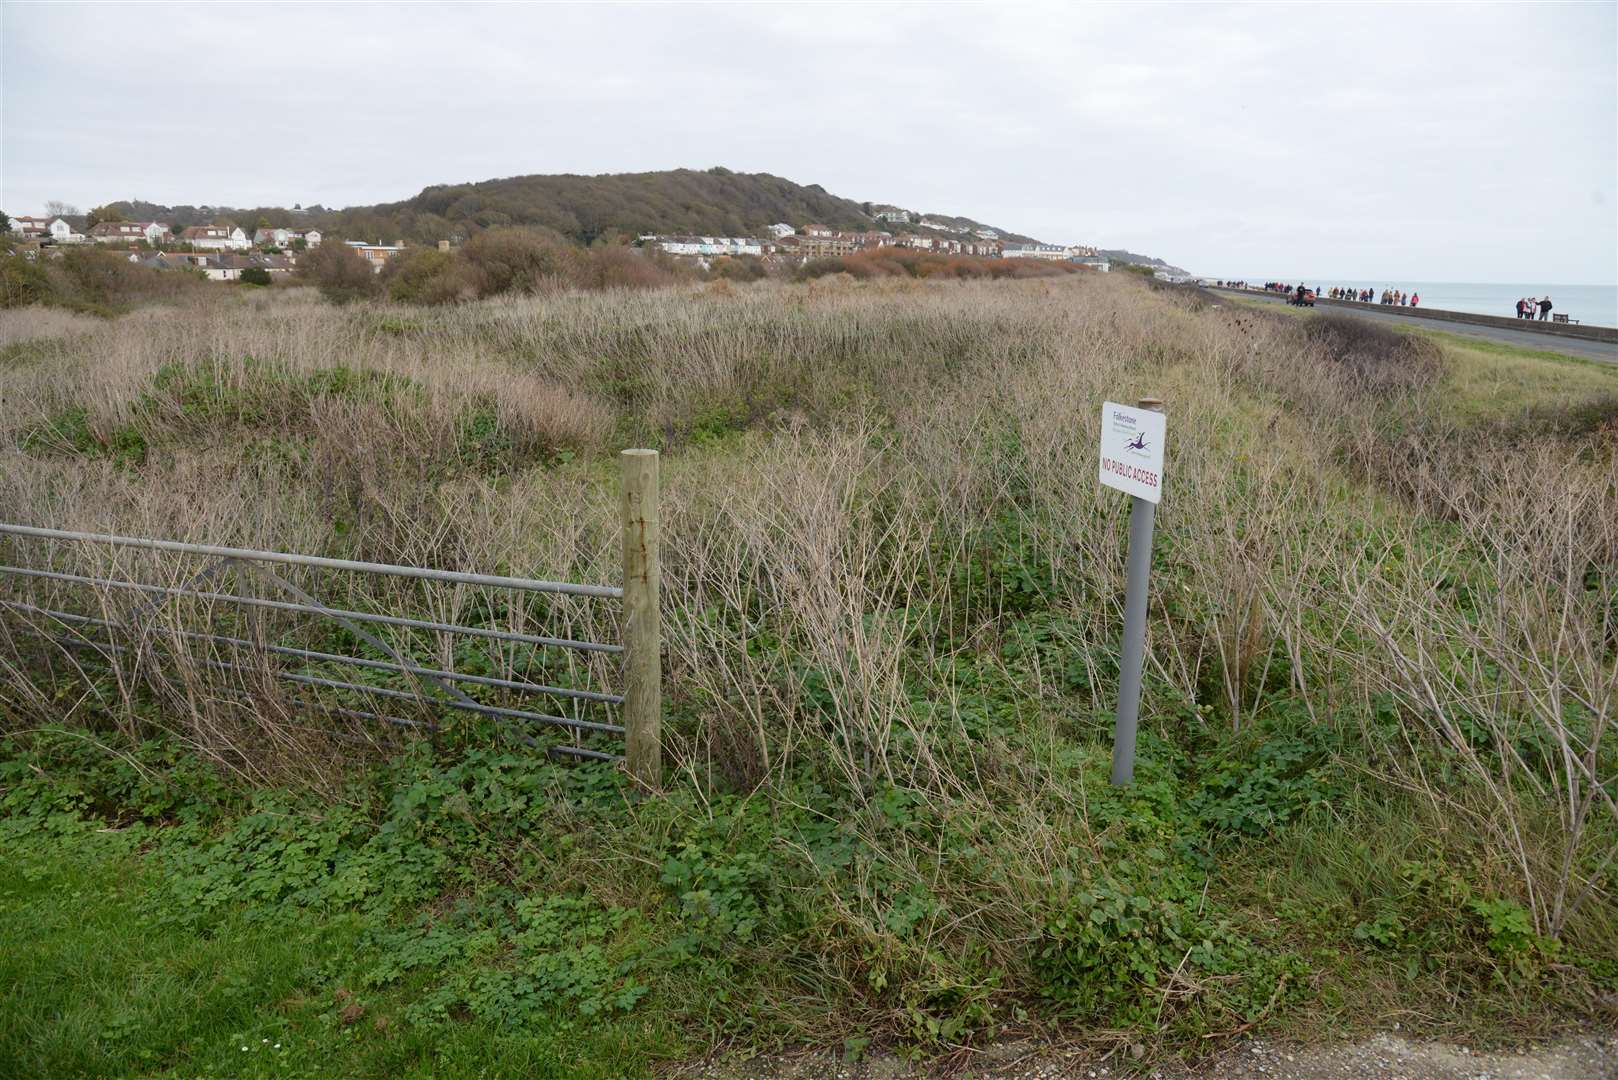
<point>1393,297</point>
<point>1530,304</point>
<point>1396,297</point>
<point>1528,307</point>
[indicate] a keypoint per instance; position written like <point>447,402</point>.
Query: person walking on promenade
<point>1521,303</point>
<point>1415,298</point>
<point>1544,308</point>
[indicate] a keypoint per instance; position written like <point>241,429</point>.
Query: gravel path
<point>1388,1056</point>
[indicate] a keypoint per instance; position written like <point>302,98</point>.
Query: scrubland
<point>1376,780</point>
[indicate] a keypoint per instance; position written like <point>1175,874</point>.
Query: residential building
<point>215,237</point>
<point>892,214</point>
<point>375,254</point>
<point>31,228</point>
<point>56,229</point>
<point>828,245</point>
<point>781,229</point>
<point>278,266</point>
<point>170,260</point>
<point>816,230</point>
<point>227,267</point>
<point>706,245</point>
<point>1094,262</point>
<point>281,238</point>
<point>128,232</point>
<point>1051,252</point>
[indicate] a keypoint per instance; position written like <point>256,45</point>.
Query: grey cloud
<point>1427,142</point>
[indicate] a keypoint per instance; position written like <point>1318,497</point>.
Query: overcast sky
<point>1444,142</point>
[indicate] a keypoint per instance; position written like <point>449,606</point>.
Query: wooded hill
<point>584,209</point>
<point>590,208</point>
<point>712,202</point>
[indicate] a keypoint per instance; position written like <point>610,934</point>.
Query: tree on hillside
<point>98,214</point>
<point>517,260</point>
<point>55,208</point>
<point>22,282</point>
<point>338,272</point>
<point>429,276</point>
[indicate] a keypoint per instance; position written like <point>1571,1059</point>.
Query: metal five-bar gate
<point>487,656</point>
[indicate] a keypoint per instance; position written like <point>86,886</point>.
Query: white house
<point>709,245</point>
<point>1052,252</point>
<point>780,229</point>
<point>38,228</point>
<point>225,267</point>
<point>217,237</point>
<point>31,228</point>
<point>281,238</point>
<point>125,232</point>
<point>891,213</point>
<point>63,233</point>
<point>1094,262</point>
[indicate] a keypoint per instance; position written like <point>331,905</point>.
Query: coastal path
<point>1602,351</point>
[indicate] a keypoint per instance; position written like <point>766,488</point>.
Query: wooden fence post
<point>643,626</point>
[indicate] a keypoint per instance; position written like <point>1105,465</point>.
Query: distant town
<point>818,241</point>
<point>223,251</point>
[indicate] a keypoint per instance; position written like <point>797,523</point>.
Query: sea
<point>1593,304</point>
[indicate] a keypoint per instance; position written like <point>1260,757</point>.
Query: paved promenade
<point>1604,351</point>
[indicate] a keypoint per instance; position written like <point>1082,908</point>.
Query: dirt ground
<point>1387,1056</point>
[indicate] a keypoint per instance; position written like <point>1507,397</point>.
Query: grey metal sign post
<point>1132,461</point>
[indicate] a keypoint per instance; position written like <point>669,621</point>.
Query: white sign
<point>1132,450</point>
